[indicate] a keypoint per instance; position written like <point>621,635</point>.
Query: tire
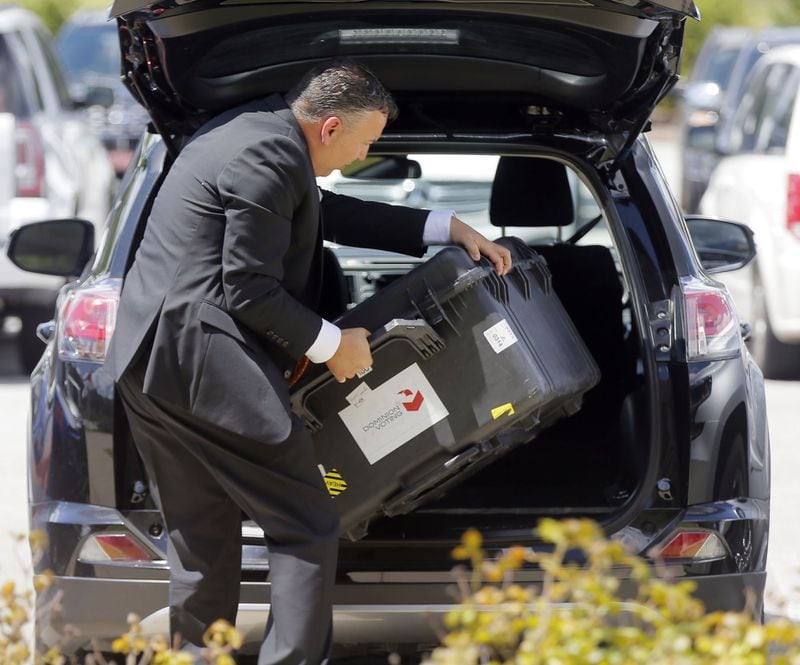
<point>29,347</point>
<point>776,359</point>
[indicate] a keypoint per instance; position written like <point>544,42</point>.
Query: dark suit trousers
<point>202,477</point>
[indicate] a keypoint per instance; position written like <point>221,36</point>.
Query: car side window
<point>756,105</point>
<point>12,92</point>
<point>774,130</point>
<point>28,68</point>
<point>53,70</point>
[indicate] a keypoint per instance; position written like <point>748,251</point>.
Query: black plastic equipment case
<point>466,365</point>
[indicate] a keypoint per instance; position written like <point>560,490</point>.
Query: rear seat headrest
<point>531,191</point>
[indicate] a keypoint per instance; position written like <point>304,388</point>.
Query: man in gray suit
<point>219,305</point>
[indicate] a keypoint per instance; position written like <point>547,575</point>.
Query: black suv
<point>529,118</point>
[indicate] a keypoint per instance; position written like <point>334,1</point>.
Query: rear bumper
<point>99,607</point>
<point>373,607</point>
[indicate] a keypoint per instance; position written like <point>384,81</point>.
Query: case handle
<point>425,340</point>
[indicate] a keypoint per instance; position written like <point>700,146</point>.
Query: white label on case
<point>359,395</point>
<point>383,419</point>
<point>500,336</point>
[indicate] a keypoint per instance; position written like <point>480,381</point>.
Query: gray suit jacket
<point>226,281</point>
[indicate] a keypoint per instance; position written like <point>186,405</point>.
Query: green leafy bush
<point>578,617</point>
<point>134,648</point>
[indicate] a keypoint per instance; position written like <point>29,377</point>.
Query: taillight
<point>694,545</point>
<point>86,321</point>
<point>711,328</point>
<point>793,205</point>
<point>121,546</point>
<point>29,169</point>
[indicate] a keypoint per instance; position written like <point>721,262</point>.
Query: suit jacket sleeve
<point>260,190</point>
<point>351,221</point>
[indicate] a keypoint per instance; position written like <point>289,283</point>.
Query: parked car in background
<point>701,100</point>
<point>57,168</point>
<point>708,139</point>
<point>514,114</point>
<point>759,182</point>
<point>88,48</point>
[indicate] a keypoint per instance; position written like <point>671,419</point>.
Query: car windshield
<point>720,66</point>
<point>89,49</point>
<point>464,183</point>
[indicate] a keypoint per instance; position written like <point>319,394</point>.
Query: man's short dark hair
<point>341,87</point>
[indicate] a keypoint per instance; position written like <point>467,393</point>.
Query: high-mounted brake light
<point>711,328</point>
<point>694,545</point>
<point>87,320</point>
<point>793,205</point>
<point>399,36</point>
<point>121,546</point>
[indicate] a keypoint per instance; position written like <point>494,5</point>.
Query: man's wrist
<point>326,344</point>
<point>437,227</point>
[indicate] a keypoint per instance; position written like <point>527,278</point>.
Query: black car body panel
<point>87,479</point>
<point>685,449</point>
<point>607,65</point>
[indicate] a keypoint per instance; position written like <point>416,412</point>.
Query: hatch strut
<point>638,128</point>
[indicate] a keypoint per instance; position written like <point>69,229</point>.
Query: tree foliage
<point>788,13</point>
<point>54,12</point>
<point>714,13</point>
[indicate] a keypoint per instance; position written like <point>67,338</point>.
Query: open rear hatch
<point>604,64</point>
<point>596,66</point>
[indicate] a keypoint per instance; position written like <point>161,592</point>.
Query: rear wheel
<point>776,359</point>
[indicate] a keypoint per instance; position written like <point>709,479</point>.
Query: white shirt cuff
<point>437,227</point>
<point>326,344</point>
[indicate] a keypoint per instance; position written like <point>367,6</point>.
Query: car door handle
<point>45,331</point>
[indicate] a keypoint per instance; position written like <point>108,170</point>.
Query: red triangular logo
<point>415,403</point>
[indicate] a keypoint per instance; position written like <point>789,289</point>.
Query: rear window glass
<point>89,49</point>
<point>720,67</point>
<point>12,94</point>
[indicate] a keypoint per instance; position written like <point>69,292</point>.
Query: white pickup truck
<point>7,161</point>
<point>52,167</point>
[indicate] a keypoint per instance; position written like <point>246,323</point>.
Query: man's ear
<point>330,128</point>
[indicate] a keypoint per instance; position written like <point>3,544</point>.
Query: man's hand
<point>476,244</point>
<point>352,356</point>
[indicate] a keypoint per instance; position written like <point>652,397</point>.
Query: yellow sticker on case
<point>334,482</point>
<point>506,409</point>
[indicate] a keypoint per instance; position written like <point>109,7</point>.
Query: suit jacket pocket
<point>239,388</point>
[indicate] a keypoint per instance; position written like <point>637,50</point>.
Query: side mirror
<point>54,247</point>
<point>94,95</point>
<point>389,167</point>
<point>722,246</point>
<point>703,138</point>
<point>704,95</point>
